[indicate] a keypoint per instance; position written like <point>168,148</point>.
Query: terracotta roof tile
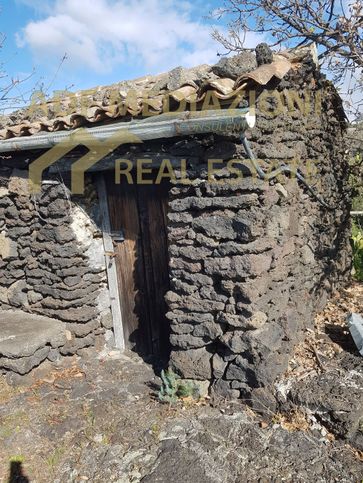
<point>138,98</point>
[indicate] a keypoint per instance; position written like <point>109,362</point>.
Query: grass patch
<point>55,457</point>
<point>13,423</point>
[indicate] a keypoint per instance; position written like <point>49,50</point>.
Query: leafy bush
<point>173,388</point>
<point>357,244</point>
<point>356,181</point>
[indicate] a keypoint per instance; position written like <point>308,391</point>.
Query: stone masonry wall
<point>252,261</point>
<point>51,257</point>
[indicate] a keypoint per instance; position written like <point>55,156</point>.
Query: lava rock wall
<point>52,258</point>
<point>252,261</point>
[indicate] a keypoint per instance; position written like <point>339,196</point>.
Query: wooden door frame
<point>116,312</point>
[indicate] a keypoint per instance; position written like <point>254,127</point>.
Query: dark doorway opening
<point>138,219</point>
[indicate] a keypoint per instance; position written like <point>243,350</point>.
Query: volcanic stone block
<point>235,66</point>
<point>3,191</point>
<point>182,287</point>
<point>263,401</point>
<point>34,297</point>
<point>187,341</point>
<point>219,227</point>
<point>267,338</point>
<point>192,364</point>
<point>241,370</point>
<point>72,346</point>
<point>209,331</point>
<point>196,304</point>
<point>222,389</point>
<point>219,366</point>
<point>189,317</point>
<point>17,294</point>
<point>194,253</point>
<point>178,264</point>
<point>26,339</point>
<point>12,213</point>
<point>337,400</point>
<point>81,330</point>
<point>197,278</point>
<point>23,365</point>
<point>237,321</point>
<point>235,341</point>
<point>238,267</point>
<point>3,295</point>
<point>79,314</point>
<point>180,328</point>
<point>8,247</point>
<point>256,321</point>
<point>19,183</point>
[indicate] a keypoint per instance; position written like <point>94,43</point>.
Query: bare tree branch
<point>336,28</point>
<point>15,92</point>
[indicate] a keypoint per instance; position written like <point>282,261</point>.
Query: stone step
<point>26,339</point>
<point>355,324</point>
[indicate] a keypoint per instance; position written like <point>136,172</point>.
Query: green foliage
<point>173,388</point>
<point>356,180</point>
<point>357,244</point>
<point>169,387</point>
<point>55,457</point>
<point>356,226</point>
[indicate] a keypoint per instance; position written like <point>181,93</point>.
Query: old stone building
<point>216,269</point>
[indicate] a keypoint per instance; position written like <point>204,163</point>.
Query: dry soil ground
<point>97,419</point>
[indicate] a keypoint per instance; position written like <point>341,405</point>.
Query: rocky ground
<point>97,419</point>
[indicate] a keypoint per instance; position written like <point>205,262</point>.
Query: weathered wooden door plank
<point>153,199</point>
<point>110,265</point>
<point>141,259</point>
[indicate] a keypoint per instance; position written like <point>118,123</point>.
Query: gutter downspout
<point>282,169</point>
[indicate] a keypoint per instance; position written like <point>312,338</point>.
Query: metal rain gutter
<point>161,126</point>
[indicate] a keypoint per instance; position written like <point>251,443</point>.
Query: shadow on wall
<point>16,474</point>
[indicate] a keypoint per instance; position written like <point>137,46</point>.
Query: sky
<point>104,41</point>
<point>80,44</point>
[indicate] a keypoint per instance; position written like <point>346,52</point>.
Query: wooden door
<point>138,213</point>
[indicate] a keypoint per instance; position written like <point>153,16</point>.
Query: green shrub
<point>173,388</point>
<point>356,172</point>
<point>357,244</point>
